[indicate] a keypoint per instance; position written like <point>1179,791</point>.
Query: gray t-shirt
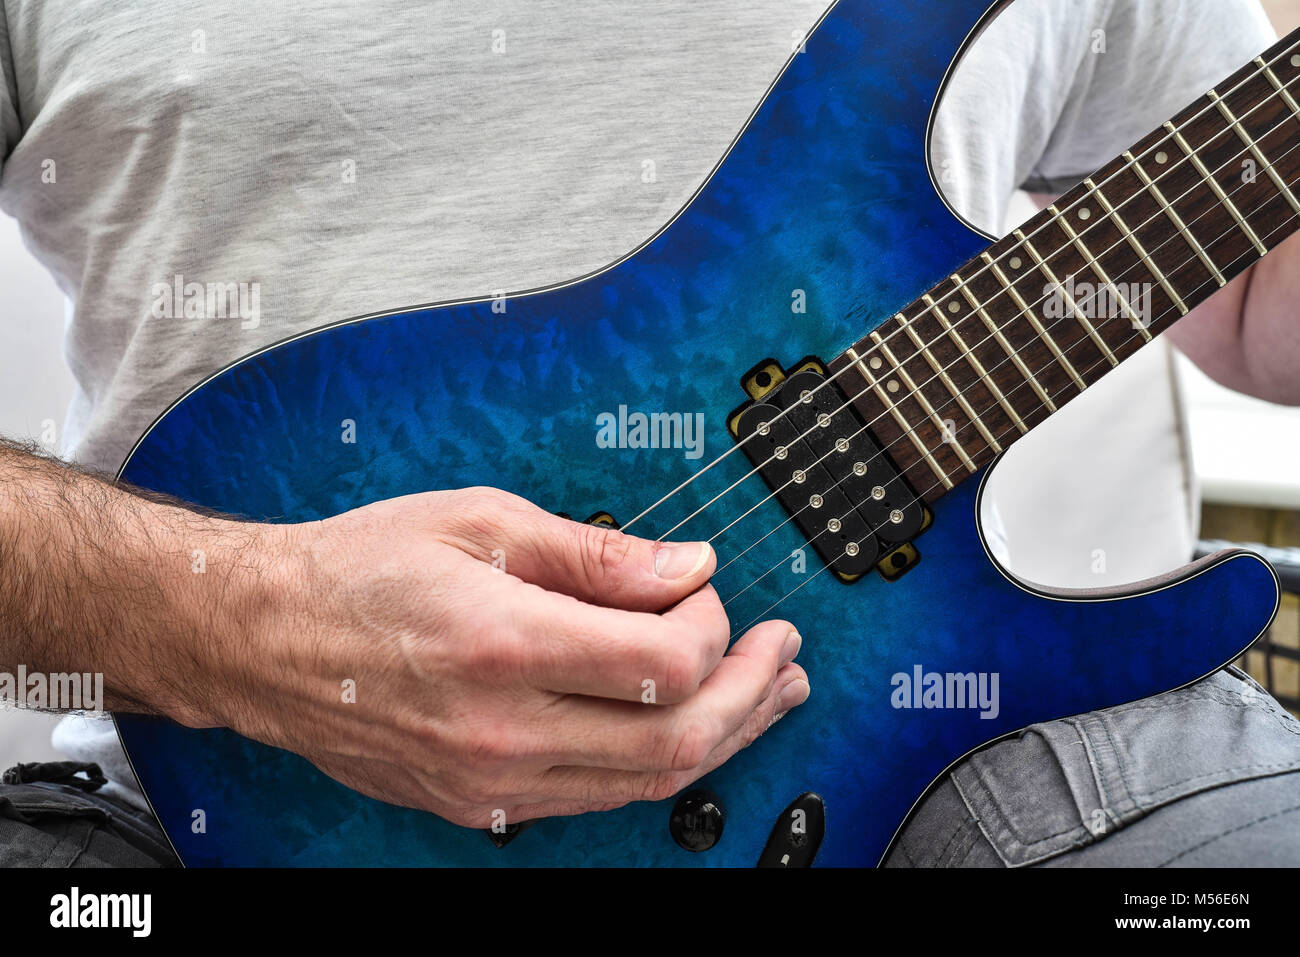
<point>349,158</point>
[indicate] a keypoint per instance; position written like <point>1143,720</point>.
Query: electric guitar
<point>847,442</point>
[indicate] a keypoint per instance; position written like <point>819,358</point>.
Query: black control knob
<point>696,821</point>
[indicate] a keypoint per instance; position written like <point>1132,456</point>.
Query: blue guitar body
<point>826,191</point>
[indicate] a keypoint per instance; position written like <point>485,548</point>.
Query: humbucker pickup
<point>826,468</point>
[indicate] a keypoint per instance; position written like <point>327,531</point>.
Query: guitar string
<point>962,356</point>
<point>1084,233</point>
<point>1167,138</point>
<point>1291,218</point>
<point>837,483</point>
<point>987,376</point>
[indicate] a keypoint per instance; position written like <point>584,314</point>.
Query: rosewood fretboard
<point>1017,332</point>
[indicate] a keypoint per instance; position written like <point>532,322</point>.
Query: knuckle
<point>485,498</point>
<point>687,745</point>
<point>603,551</point>
<point>471,514</point>
<point>718,628</point>
<point>480,517</point>
<point>490,747</point>
<point>759,720</point>
<point>683,671</point>
<point>660,787</point>
<point>494,655</point>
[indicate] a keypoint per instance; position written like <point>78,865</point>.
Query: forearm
<point>95,579</point>
<point>1247,336</point>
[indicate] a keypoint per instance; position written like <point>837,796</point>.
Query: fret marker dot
<point>1162,157</point>
<point>892,385</point>
<point>1085,213</point>
<point>1295,60</point>
<point>876,362</point>
<point>954,306</point>
<point>1015,262</point>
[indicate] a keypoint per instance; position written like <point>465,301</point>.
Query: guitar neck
<point>1020,330</point>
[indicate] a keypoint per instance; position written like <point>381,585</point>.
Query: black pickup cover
<point>810,438</point>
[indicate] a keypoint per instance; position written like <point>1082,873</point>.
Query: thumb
<point>596,564</point>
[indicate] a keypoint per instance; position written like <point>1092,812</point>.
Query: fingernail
<point>792,644</point>
<point>681,561</point>
<point>792,695</point>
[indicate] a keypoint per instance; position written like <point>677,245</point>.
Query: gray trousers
<point>1201,777</point>
<point>1204,776</point>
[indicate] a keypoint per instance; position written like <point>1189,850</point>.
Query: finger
<point>566,791</point>
<point>578,649</point>
<point>595,787</point>
<point>790,689</point>
<point>587,732</point>
<point>598,565</point>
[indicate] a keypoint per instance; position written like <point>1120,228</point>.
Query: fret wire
<point>1255,151</point>
<point>1137,246</point>
<point>975,364</point>
<point>1095,265</point>
<point>1047,271</point>
<point>1213,183</point>
<point>1028,312</point>
<point>949,435</point>
<point>1177,220</point>
<point>908,430</point>
<point>994,328</point>
<point>951,386</point>
<point>1279,86</point>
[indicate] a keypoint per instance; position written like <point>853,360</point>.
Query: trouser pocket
<point>1067,784</point>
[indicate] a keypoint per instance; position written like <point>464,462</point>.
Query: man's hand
<point>504,660</point>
